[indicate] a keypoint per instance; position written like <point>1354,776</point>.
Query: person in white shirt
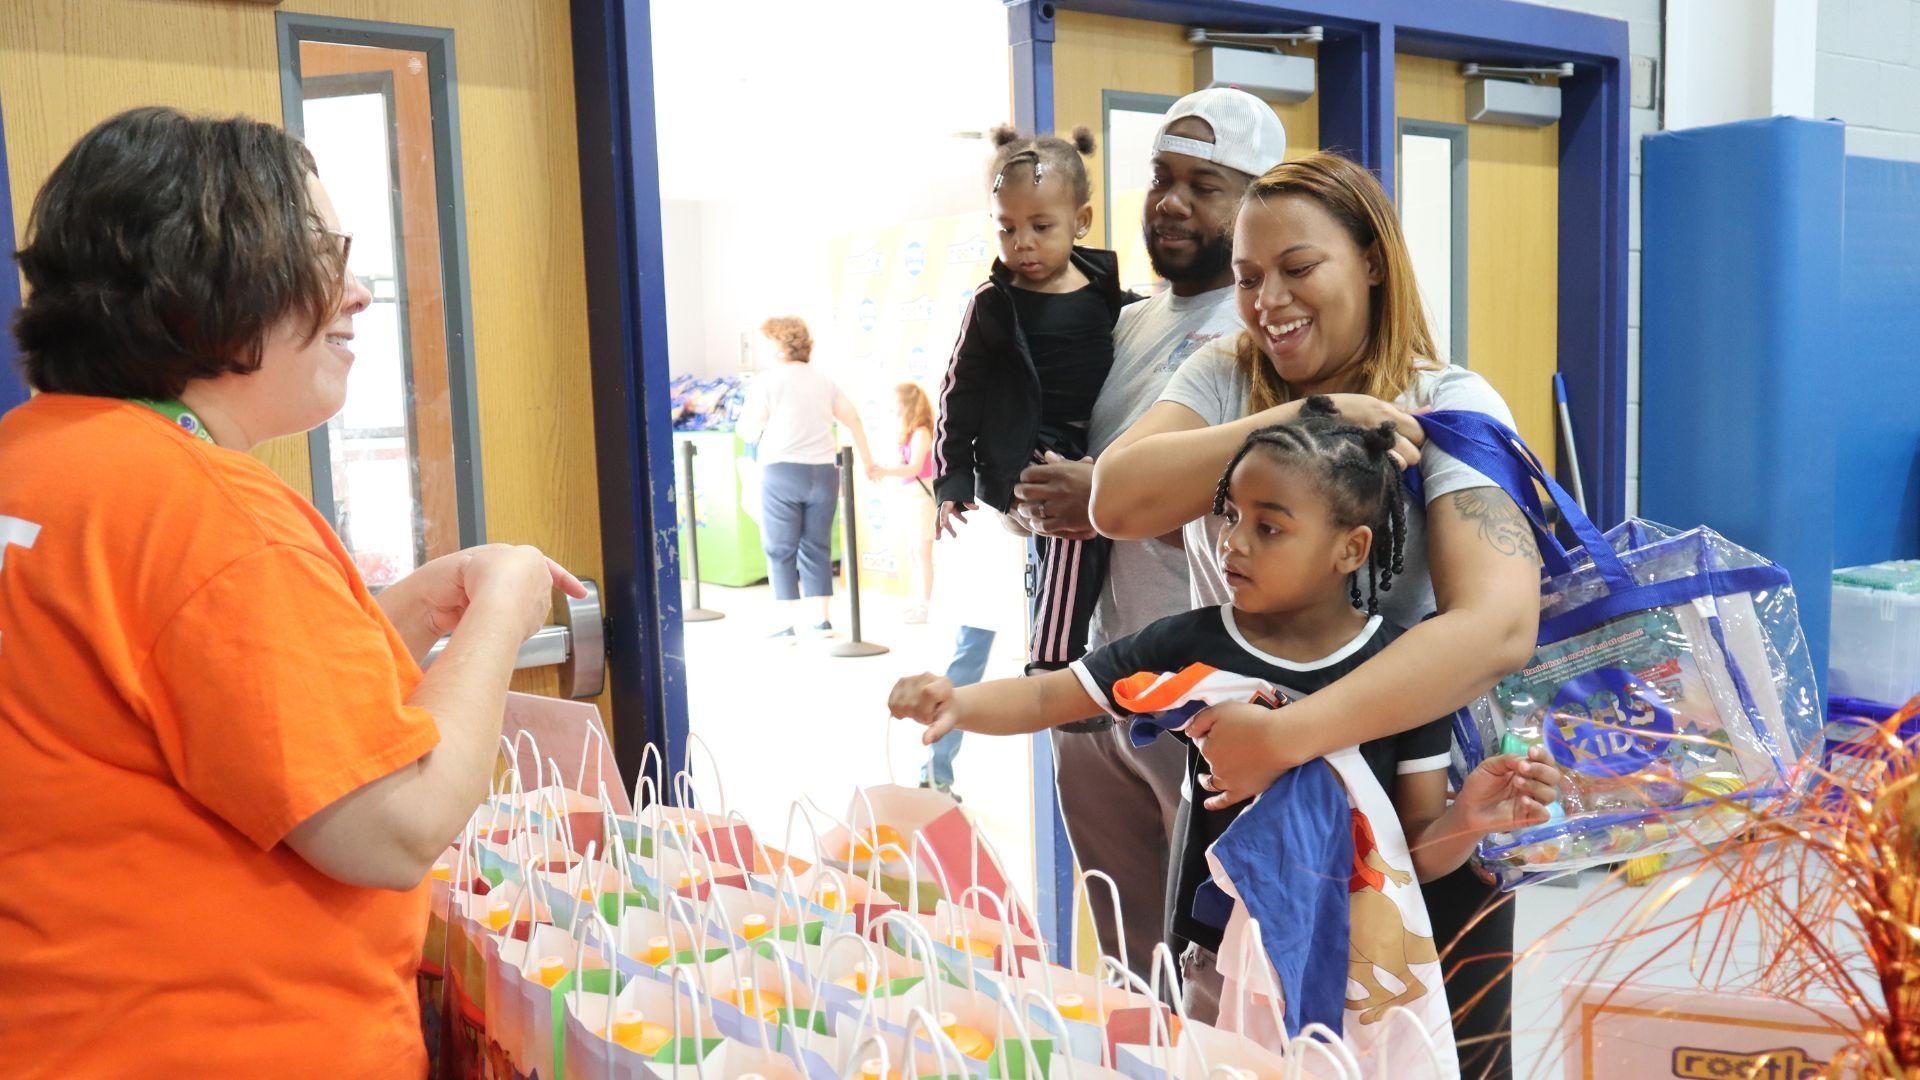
<point>790,412</point>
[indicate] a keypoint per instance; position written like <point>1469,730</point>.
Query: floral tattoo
<point>1498,520</point>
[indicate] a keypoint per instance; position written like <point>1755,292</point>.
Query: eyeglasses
<point>346,243</point>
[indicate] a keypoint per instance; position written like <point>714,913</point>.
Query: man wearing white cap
<point>1120,801</point>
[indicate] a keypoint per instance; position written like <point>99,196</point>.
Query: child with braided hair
<point>1311,508</point>
<point>1034,350</point>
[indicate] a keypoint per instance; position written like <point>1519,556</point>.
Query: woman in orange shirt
<point>225,776</point>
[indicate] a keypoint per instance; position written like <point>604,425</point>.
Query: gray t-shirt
<point>1213,386</point>
<point>1146,579</point>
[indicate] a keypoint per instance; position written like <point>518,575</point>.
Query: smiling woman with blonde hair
<point>1329,306</point>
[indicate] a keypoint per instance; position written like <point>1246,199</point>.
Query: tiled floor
<point>787,721</point>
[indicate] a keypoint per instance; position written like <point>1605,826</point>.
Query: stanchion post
<point>850,551</point>
<point>694,612</point>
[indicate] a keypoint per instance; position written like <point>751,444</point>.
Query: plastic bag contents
<point>1675,705</point>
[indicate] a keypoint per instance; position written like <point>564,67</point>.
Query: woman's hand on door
<point>427,604</point>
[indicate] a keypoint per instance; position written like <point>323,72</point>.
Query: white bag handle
<point>1005,961</point>
<point>758,847</point>
<point>679,842</point>
<point>942,1044</point>
<point>872,876</point>
<point>1163,961</point>
<point>573,883</point>
<point>920,846</point>
<point>1329,1043</point>
<point>512,746</point>
<point>1087,878</point>
<point>696,980</point>
<point>865,1033</point>
<point>681,906</point>
<point>1048,1008</point>
<point>1009,1010</point>
<point>827,952</point>
<point>599,761</point>
<point>646,780</point>
<point>1252,952</point>
<point>918,937</point>
<point>1409,1019</point>
<point>683,780</point>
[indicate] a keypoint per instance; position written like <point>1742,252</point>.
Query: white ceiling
<point>841,101</point>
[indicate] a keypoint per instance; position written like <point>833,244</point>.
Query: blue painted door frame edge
<point>627,338</point>
<point>620,212</point>
<point>1356,63</point>
<point>13,388</point>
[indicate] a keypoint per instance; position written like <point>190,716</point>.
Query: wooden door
<point>65,65</point>
<point>1512,251</point>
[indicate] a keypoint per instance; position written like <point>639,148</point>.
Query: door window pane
<point>1132,122</point>
<point>387,468</point>
<point>1432,202</point>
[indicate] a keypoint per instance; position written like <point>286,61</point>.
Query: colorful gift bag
<point>752,995</point>
<point>986,1032</point>
<point>1671,683</point>
<point>745,915</point>
<point>1090,1015</point>
<point>1205,1051</point>
<point>837,892</point>
<point>820,894</point>
<point>863,1050</point>
<point>849,972</point>
<point>722,838</point>
<point>521,974</point>
<point>971,947</point>
<point>649,943</point>
<point>690,874</point>
<point>639,1028</point>
<point>927,829</point>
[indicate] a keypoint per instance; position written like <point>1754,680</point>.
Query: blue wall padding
<point>1747,384</point>
<point>1873,398</point>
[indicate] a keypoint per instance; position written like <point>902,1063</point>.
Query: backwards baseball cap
<point>1246,134</point>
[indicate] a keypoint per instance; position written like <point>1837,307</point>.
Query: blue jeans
<point>969,663</point>
<point>796,527</point>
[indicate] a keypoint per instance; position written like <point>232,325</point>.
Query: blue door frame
<point>13,389</point>
<point>1356,73</point>
<point>627,333</point>
<point>627,338</point>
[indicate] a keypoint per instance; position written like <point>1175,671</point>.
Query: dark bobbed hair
<point>164,248</point>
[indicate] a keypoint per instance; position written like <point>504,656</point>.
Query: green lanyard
<point>179,415</point>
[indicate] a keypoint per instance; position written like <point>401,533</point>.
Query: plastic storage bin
<point>1875,633</point>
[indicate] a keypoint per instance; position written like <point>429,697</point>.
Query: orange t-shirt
<point>190,666</point>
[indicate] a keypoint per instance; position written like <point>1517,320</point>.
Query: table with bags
<point>574,936</point>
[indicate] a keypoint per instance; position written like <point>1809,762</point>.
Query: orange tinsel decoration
<point>1832,881</point>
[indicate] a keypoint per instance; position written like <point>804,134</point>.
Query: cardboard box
<point>1648,1031</point>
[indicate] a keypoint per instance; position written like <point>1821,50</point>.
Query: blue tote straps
<point>1492,449</point>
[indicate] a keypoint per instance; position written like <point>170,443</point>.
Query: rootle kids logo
<point>1786,1063</point>
<point>1608,723</point>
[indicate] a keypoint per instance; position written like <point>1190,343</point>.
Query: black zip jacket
<point>990,399</point>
